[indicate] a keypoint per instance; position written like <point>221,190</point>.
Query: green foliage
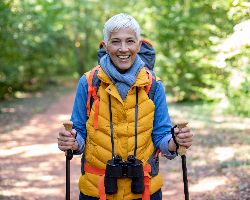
<point>189,37</point>
<point>44,39</point>
<point>238,85</point>
<point>35,47</point>
<point>187,31</point>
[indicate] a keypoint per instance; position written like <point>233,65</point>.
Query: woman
<point>125,127</point>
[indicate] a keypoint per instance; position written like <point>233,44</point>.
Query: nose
<point>123,47</point>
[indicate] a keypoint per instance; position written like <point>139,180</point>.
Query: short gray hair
<point>120,21</point>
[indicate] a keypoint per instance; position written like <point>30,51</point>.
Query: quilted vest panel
<point>98,143</point>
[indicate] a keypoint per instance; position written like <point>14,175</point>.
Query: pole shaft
<point>69,155</point>
<point>185,180</point>
<point>67,179</point>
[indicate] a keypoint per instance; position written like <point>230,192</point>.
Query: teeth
<point>123,57</point>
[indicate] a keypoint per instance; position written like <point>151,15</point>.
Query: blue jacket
<point>162,125</point>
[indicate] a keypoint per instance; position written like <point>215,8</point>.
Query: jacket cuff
<point>164,148</point>
<point>81,145</point>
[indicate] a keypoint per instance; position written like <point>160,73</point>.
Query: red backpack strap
<point>151,87</point>
<point>101,173</point>
<point>92,92</point>
<point>146,193</point>
<point>150,77</point>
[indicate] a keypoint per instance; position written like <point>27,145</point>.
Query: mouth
<point>124,58</point>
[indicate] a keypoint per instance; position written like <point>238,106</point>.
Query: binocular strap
<point>112,128</point>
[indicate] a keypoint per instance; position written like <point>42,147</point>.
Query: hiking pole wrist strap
<point>174,139</point>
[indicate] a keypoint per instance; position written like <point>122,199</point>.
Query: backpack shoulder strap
<point>93,86</point>
<point>151,87</point>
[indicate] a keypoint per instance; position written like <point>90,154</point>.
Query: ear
<point>105,47</point>
<point>140,43</point>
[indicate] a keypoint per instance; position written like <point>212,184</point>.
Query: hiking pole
<point>69,155</point>
<point>182,152</point>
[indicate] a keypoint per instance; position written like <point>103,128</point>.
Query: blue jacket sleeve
<point>79,113</point>
<point>162,124</point>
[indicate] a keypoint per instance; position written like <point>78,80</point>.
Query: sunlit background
<point>203,59</point>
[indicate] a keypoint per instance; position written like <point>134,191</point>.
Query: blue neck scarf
<point>123,82</point>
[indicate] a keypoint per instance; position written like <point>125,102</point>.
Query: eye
<point>131,41</point>
<point>115,42</point>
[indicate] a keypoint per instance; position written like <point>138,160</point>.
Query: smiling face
<point>122,48</point>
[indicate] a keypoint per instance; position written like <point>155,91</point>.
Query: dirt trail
<point>32,167</point>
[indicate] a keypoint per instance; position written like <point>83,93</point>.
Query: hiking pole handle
<point>182,150</point>
<point>68,125</point>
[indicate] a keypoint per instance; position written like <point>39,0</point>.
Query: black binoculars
<point>118,168</point>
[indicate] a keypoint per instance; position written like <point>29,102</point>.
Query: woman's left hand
<point>183,137</point>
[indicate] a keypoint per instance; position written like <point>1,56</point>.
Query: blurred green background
<point>203,47</point>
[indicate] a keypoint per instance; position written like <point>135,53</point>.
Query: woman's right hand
<point>66,140</point>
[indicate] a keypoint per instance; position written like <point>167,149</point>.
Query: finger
<point>64,133</point>
<point>184,135</point>
<point>66,139</point>
<point>61,134</point>
<point>73,133</point>
<point>186,144</point>
<point>65,145</point>
<point>75,146</point>
<point>185,129</point>
<point>176,130</point>
<point>184,140</point>
<point>62,148</point>
<point>68,144</point>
